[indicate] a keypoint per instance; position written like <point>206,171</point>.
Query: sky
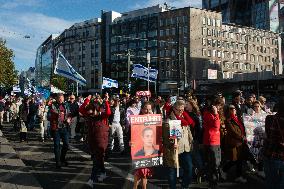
<point>25,24</point>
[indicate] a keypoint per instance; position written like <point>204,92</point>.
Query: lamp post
<point>257,81</point>
<point>148,63</point>
<point>128,69</point>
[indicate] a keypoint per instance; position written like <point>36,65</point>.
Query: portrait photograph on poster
<point>146,140</point>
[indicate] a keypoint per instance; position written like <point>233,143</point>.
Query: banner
<point>109,83</point>
<point>64,69</point>
<point>255,132</point>
<point>45,93</point>
<point>143,93</point>
<point>146,140</point>
<point>141,72</point>
<point>212,74</point>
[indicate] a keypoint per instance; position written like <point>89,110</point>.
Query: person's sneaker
<point>241,180</point>
<point>102,177</point>
<point>90,183</point>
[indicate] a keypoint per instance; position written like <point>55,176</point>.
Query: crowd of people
<point>213,136</point>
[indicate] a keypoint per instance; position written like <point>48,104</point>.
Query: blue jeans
<point>61,133</point>
<point>274,173</point>
<point>185,160</point>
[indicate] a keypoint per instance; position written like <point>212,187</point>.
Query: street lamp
<point>148,63</point>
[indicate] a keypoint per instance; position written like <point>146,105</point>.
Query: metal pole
<point>257,84</point>
<point>148,62</point>
<point>185,69</point>
<point>128,69</point>
<point>178,58</point>
<point>77,89</point>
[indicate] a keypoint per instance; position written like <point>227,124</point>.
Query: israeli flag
<point>64,69</point>
<point>16,89</point>
<point>141,72</point>
<point>109,83</point>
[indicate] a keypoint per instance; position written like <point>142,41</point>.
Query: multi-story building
<point>107,19</point>
<point>223,49</point>
<point>44,62</point>
<point>81,46</point>
<point>261,14</point>
<point>132,35</point>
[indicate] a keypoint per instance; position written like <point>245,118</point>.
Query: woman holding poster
<point>183,148</point>
<point>147,150</point>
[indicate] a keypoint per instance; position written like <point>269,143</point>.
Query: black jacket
<point>74,109</point>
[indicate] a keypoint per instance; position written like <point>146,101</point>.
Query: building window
<point>173,52</point>
<point>161,32</point>
<point>204,21</point>
<point>213,22</point>
<point>203,52</point>
<point>208,21</point>
<point>167,32</point>
<point>203,41</point>
<point>209,32</point>
<point>209,53</point>
<point>185,30</point>
<point>161,22</point>
<point>218,23</point>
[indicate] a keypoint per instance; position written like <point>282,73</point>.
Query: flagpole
<point>77,91</point>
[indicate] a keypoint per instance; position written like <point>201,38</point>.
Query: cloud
<point>24,32</point>
<point>11,4</point>
<point>171,3</point>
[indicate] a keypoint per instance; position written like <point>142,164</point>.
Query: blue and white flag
<point>64,69</point>
<point>109,83</point>
<point>16,89</point>
<point>141,72</point>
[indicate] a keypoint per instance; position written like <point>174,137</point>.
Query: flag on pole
<point>141,72</point>
<point>109,83</point>
<point>64,69</point>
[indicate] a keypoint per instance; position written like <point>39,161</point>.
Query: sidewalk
<point>13,172</point>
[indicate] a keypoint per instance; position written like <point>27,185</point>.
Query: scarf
<point>186,120</point>
<point>239,123</point>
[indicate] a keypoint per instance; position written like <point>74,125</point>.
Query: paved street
<point>38,162</point>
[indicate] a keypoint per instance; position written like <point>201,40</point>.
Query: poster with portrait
<point>175,129</point>
<point>255,133</point>
<point>146,140</point>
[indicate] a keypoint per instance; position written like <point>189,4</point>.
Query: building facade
<point>81,46</point>
<point>132,35</point>
<point>261,14</point>
<point>44,62</point>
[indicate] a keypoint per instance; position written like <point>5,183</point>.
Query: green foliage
<point>8,74</point>
<point>59,82</point>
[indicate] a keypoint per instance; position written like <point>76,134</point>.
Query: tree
<point>8,74</point>
<point>59,82</point>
